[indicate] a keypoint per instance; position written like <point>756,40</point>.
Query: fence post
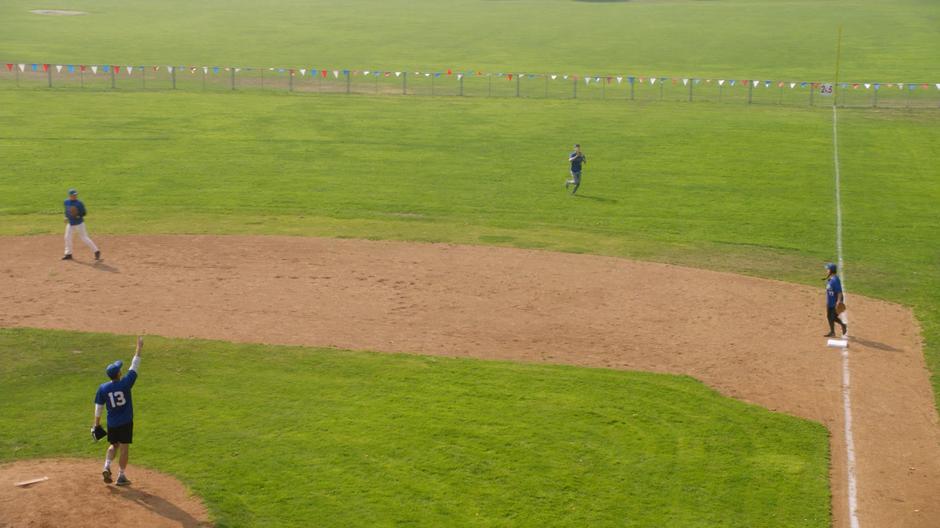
<point>143,77</point>
<point>812,93</point>
<point>173,76</point>
<point>81,77</point>
<point>404,83</point>
<point>631,89</point>
<point>575,87</point>
<point>721,88</point>
<point>16,71</point>
<point>232,72</point>
<point>604,88</point>
<point>460,78</point>
<point>203,80</point>
<point>660,89</point>
<point>432,85</point>
<point>517,85</point>
<point>489,89</point>
<point>874,97</point>
<point>49,75</point>
<point>262,78</point>
<point>750,92</point>
<point>347,80</point>
<point>112,77</point>
<point>290,80</point>
<point>546,86</point>
<point>691,82</point>
<point>908,103</point>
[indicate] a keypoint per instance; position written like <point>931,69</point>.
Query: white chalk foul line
<point>846,378</point>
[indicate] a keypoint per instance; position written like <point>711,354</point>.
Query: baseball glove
<point>97,433</point>
<point>73,211</point>
<point>840,308</point>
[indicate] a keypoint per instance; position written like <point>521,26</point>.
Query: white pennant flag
<point>335,74</point>
<point>756,83</point>
<point>303,71</point>
<point>427,74</point>
<point>619,80</point>
<point>685,82</point>
<point>169,69</point>
<point>565,77</point>
<point>459,76</point>
<point>938,86</point>
<point>130,69</point>
<point>94,69</point>
<point>792,85</point>
<point>397,74</point>
<point>652,80</point>
<point>58,68</point>
<point>205,69</point>
<point>721,82</point>
<point>554,76</point>
<point>868,85</point>
<point>900,86</point>
<point>22,67</point>
<point>237,70</point>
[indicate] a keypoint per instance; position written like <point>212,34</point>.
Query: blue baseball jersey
<point>75,220</point>
<point>833,289</point>
<point>576,161</point>
<point>116,396</point>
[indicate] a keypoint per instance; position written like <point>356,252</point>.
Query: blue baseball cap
<point>831,267</point>
<point>114,368</point>
<point>72,191</point>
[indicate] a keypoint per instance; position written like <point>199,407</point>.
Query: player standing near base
<point>835,301</point>
<point>576,159</point>
<point>75,223</point>
<point>116,396</point>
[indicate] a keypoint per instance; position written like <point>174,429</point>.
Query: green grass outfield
<point>283,436</point>
<point>883,41</point>
<point>721,187</point>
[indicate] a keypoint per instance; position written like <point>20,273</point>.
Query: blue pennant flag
<point>215,69</point>
<point>71,68</point>
<point>345,72</point>
<point>35,67</point>
<point>105,68</point>
<point>630,79</point>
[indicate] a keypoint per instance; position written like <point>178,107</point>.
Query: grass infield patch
<point>289,436</point>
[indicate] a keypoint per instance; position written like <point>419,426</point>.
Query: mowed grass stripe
<point>288,436</point>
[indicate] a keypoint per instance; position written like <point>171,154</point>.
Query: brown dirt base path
<point>753,339</point>
<point>74,496</point>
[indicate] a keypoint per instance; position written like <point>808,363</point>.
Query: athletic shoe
<point>830,334</point>
<point>566,186</point>
<point>67,257</point>
<point>106,475</point>
<point>845,333</point>
<point>122,481</point>
<point>97,255</point>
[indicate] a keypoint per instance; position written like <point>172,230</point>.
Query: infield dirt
<point>753,339</point>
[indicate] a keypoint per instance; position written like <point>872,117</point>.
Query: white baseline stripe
<point>846,379</point>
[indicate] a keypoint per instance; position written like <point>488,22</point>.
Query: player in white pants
<point>75,223</point>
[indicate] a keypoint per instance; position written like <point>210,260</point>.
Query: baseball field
<point>386,310</point>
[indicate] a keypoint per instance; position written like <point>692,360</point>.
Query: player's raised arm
<point>136,361</point>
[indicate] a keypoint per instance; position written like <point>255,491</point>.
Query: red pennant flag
<point>115,68</point>
<point>291,72</point>
<point>9,67</point>
<point>510,76</point>
<point>855,86</point>
<point>745,82</point>
<point>925,86</point>
<point>323,73</point>
<point>82,67</point>
<point>45,67</point>
<point>448,71</point>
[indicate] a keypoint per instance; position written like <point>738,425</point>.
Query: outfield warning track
<point>753,339</point>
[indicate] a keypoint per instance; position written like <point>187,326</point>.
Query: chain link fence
<point>467,84</point>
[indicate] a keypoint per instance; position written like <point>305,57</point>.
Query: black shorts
<point>122,434</point>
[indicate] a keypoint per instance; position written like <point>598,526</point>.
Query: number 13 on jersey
<point>117,398</point>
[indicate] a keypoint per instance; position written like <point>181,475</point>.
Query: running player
<point>116,396</point>
<point>576,159</point>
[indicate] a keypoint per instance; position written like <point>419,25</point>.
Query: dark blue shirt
<point>833,289</point>
<point>116,396</point>
<point>576,160</point>
<point>75,220</point>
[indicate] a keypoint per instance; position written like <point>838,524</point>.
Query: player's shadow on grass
<point>596,198</point>
<point>98,265</point>
<point>158,505</point>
